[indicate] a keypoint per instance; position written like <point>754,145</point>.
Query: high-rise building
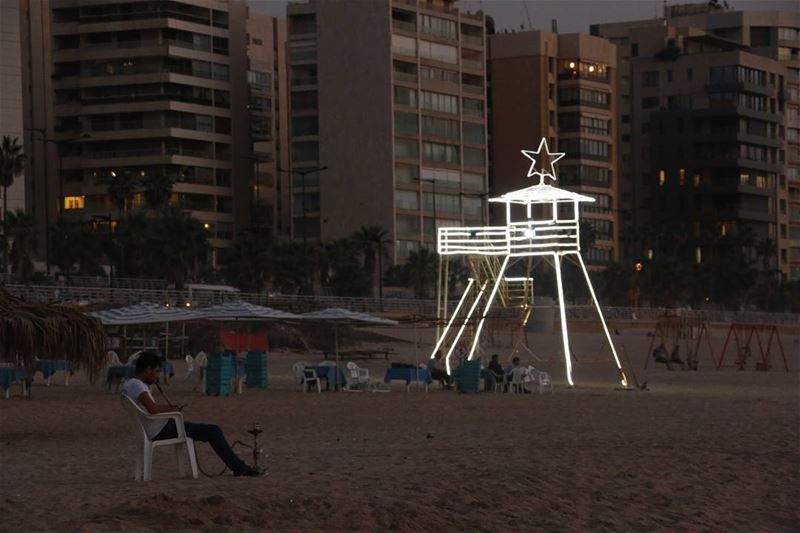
<point>139,91</point>
<point>11,93</point>
<point>708,100</point>
<point>560,87</point>
<point>390,96</point>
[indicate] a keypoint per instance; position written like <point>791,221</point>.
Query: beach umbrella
<point>29,330</point>
<point>246,312</point>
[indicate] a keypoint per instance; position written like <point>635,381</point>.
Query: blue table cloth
<point>10,375</point>
<point>48,367</point>
<point>119,371</point>
<point>408,375</point>
<point>333,375</point>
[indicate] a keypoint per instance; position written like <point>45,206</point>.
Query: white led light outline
<point>453,317</point>
<point>624,379</point>
<point>486,309</point>
<point>564,332</point>
<point>463,325</point>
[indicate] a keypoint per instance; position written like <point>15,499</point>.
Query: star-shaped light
<point>552,157</point>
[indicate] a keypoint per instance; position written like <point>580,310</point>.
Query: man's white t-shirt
<point>133,388</point>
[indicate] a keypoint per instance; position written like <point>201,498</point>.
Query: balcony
<point>404,25</point>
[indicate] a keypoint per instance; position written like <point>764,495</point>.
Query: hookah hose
<point>197,460</point>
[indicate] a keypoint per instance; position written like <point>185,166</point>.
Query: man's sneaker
<point>249,471</point>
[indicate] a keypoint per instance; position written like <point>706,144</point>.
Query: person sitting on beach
<point>675,357</point>
<point>137,388</point>
<point>494,373</point>
<point>660,355</point>
<point>438,374</point>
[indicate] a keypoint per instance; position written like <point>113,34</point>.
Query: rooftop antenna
<point>527,14</point>
<point>554,26</point>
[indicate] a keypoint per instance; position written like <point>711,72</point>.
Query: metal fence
<point>301,304</point>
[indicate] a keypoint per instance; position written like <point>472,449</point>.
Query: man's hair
<point>495,356</point>
<point>146,361</point>
<point>515,360</point>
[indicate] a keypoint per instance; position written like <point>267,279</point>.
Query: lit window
<point>697,180</point>
<point>74,202</point>
<point>661,178</point>
<point>682,177</point>
<point>698,255</point>
<point>723,230</point>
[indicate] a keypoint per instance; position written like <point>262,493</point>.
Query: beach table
<point>419,375</point>
<point>331,374</point>
<point>11,375</point>
<point>48,367</point>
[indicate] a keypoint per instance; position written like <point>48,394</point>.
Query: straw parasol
<point>49,331</point>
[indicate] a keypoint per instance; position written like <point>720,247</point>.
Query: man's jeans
<point>206,433</point>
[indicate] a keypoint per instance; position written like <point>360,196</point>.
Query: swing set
<point>742,338</point>
<point>674,331</point>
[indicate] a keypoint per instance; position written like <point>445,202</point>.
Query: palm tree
<point>120,190</point>
<point>181,245</point>
<point>157,189</point>
<point>21,229</point>
<point>72,243</point>
<point>373,240</point>
<point>249,264</point>
<point>12,163</point>
<point>421,269</point>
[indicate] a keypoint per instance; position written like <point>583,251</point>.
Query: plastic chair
<point>297,370</point>
<point>144,460</point>
<point>359,377</point>
<point>132,359</point>
<point>112,359</point>
<point>544,381</point>
<point>517,383</point>
<point>310,378</point>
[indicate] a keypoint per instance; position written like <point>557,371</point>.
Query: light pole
<point>107,219</point>
<point>302,173</point>
<point>57,143</point>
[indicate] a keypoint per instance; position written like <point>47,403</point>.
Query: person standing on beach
<point>137,388</point>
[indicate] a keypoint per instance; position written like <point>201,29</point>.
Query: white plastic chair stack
<point>192,371</point>
<point>358,377</point>
<point>112,359</point>
<point>144,457</point>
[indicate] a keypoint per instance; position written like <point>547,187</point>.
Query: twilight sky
<point>572,15</point>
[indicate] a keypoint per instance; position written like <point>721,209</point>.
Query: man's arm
<point>152,407</point>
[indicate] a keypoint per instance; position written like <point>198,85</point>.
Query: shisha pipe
<point>166,398</point>
<point>257,450</point>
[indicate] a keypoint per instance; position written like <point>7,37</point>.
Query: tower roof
<point>541,194</point>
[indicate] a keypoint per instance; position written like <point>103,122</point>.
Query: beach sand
<point>700,451</point>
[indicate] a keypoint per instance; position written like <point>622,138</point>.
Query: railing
<point>301,304</point>
<point>526,238</point>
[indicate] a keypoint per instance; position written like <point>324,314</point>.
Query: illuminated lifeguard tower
<point>541,220</point>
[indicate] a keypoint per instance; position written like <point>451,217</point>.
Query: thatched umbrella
<point>49,331</point>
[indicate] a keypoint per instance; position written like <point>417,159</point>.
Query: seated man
<point>494,373</point>
<point>514,367</point>
<point>148,366</point>
<point>440,375</point>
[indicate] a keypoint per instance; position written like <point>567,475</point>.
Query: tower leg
<point>489,302</point>
<point>623,378</point>
<point>562,311</point>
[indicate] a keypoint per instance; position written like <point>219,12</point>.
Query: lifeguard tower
<point>541,220</point>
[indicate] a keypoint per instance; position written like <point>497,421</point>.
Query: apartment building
<point>11,92</point>
<point>708,100</point>
<point>560,87</point>
<point>142,90</point>
<point>388,97</point>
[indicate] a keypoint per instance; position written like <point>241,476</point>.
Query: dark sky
<point>572,15</point>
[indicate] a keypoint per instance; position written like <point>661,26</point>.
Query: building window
<point>304,100</point>
<point>452,177</point>
<point>438,74</point>
<point>650,102</point>
<point>406,200</point>
<point>406,46</point>
<point>405,123</point>
<point>585,148</point>
<point>406,149</point>
<point>305,151</point>
<point>406,173</point>
<point>443,153</point>
<point>572,122</point>
<point>577,95</point>
<point>440,127</point>
<point>438,52</point>
<point>302,24</point>
<point>662,178</point>
<point>474,133</point>
<point>74,202</point>
<point>407,224</point>
<point>472,107</point>
<point>404,96</point>
<point>444,103</point>
<point>438,26</point>
<point>474,157</point>
<point>259,81</point>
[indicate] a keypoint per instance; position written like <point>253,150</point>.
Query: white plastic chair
<point>310,378</point>
<point>112,359</point>
<point>133,357</point>
<point>297,370</point>
<point>544,381</point>
<point>517,383</point>
<point>358,377</point>
<point>144,460</point>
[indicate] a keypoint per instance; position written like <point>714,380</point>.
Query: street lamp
<point>58,143</point>
<point>303,173</point>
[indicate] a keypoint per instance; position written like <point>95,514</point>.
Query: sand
<point>700,451</point>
